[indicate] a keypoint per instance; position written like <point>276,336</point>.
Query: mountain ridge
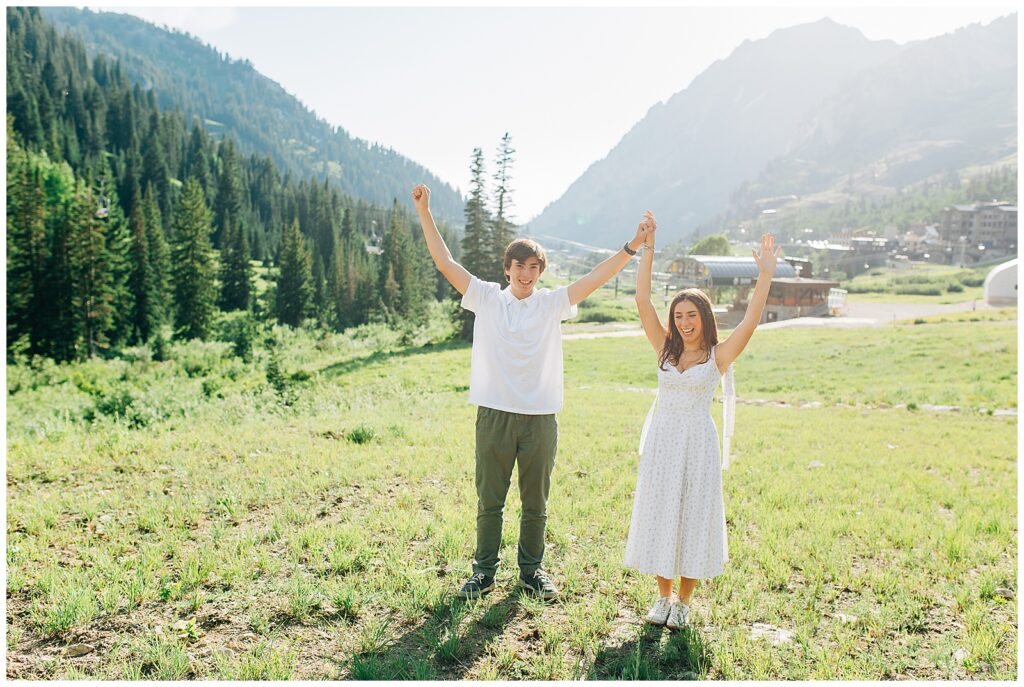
<point>272,122</point>
<point>746,116</point>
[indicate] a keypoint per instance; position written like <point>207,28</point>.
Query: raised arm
<point>608,268</point>
<point>456,274</point>
<point>766,259</point>
<point>649,318</point>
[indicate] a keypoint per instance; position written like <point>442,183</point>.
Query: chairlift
<point>104,207</point>
<point>103,210</point>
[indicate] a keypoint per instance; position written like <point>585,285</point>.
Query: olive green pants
<point>502,440</point>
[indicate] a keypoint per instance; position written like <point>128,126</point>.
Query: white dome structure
<point>1001,285</point>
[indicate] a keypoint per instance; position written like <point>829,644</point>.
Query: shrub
<point>361,434</point>
<point>238,329</point>
<point>276,377</point>
<point>160,352</point>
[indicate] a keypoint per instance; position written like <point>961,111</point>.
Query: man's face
<point>523,276</point>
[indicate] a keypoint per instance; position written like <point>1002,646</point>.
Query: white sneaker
<point>659,611</point>
<point>678,615</point>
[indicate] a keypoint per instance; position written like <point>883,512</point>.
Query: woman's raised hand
<point>645,230</point>
<point>768,256</point>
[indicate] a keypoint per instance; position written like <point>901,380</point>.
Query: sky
<point>566,83</point>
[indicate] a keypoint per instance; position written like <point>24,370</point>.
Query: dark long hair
<point>673,348</point>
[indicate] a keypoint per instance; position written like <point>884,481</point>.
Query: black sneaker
<point>476,586</point>
<point>540,584</point>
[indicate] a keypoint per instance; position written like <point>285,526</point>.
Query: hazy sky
<point>567,83</point>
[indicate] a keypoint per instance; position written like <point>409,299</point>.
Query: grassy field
<point>918,283</point>
<point>188,519</point>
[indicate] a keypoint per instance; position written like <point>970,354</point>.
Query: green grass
<point>295,552</point>
<point>919,283</point>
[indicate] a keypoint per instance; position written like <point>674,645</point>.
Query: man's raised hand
<point>645,230</point>
<point>421,197</point>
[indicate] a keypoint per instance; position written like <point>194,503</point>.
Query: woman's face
<point>687,320</point>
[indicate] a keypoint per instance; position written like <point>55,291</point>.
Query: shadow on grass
<point>685,656</point>
<point>442,646</point>
<point>346,366</point>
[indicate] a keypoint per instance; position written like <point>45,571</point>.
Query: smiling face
<point>688,322</point>
<point>524,262</point>
<point>691,326</point>
<point>523,276</point>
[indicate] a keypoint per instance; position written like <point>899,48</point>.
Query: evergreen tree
<point>476,254</point>
<point>229,191</point>
<point>142,281</point>
<point>197,160</point>
<point>320,307</point>
<point>294,284</point>
<point>159,256</point>
<point>400,277</point>
<point>92,295</point>
<point>235,271</point>
<point>62,326</point>
<point>154,165</point>
<point>195,292</point>
<point>111,215</point>
<point>27,252</point>
<point>503,232</point>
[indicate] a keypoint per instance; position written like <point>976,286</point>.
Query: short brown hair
<point>524,249</point>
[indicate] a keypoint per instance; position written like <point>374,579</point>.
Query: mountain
<point>942,104</point>
<point>231,97</point>
<point>794,112</point>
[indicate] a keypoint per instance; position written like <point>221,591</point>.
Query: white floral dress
<point>678,523</point>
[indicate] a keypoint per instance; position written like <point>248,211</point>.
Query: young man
<point>516,383</point>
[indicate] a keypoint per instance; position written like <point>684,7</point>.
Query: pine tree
<point>476,256</point>
<point>27,252</point>
<point>159,256</point>
<point>63,327</point>
<point>92,295</point>
<point>320,307</point>
<point>294,284</point>
<point>502,232</point>
<point>197,161</point>
<point>235,270</point>
<point>400,277</point>
<point>119,241</point>
<point>195,291</point>
<point>229,191</point>
<point>146,315</point>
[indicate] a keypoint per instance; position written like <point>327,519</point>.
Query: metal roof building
<point>711,271</point>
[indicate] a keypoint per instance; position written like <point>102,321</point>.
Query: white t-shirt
<point>517,348</point>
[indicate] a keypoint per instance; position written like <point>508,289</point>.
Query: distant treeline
<point>920,203</point>
<point>122,218</point>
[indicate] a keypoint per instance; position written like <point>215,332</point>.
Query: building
<point>790,296</point>
<point>992,225</point>
<point>797,297</point>
<point>711,272</point>
<point>1001,284</point>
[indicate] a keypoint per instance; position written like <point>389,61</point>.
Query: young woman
<point>678,523</point>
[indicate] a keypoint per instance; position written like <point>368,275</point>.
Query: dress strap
<point>728,413</point>
<point>647,423</point>
<point>728,410</point>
